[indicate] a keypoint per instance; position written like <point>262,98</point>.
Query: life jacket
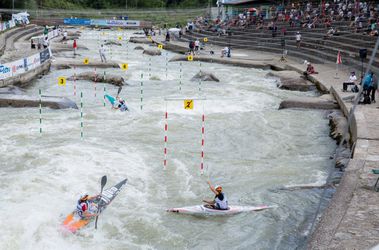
<point>81,207</point>
<point>222,204</point>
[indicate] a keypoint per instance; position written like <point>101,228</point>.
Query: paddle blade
<point>119,90</point>
<point>103,182</point>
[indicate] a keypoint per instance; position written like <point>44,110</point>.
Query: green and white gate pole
<point>180,80</point>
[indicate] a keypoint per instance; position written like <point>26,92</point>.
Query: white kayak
<point>203,210</point>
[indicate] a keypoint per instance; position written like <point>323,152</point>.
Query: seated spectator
<point>310,70</point>
<point>330,33</point>
<point>352,81</point>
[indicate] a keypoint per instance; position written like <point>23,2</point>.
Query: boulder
<point>91,76</point>
<point>142,40</point>
<point>113,43</point>
<point>139,48</point>
<point>154,78</point>
<point>205,76</point>
<point>322,102</point>
<point>152,52</point>
<point>21,101</point>
<point>291,80</point>
<point>339,127</point>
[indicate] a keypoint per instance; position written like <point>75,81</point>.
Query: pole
<point>40,112</point>
<point>81,115</point>
<point>141,91</point>
<point>74,81</point>
<point>149,67</point>
<point>361,70</point>
<point>104,90</point>
<point>202,141</point>
<point>180,80</point>
<point>94,83</point>
<point>200,77</point>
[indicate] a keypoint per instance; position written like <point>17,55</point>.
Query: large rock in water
<point>113,43</point>
<point>292,80</point>
<point>205,76</point>
<point>322,102</point>
<point>138,48</point>
<point>142,40</point>
<point>152,52</point>
<point>91,76</point>
<point>339,127</point>
<point>21,101</point>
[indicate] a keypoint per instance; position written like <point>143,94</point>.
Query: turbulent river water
<point>251,148</point>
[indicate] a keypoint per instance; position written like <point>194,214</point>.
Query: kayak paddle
<point>103,182</point>
<point>119,90</point>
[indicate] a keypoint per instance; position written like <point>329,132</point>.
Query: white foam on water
<point>250,147</point>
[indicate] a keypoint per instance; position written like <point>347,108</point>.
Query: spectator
<point>298,39</point>
<point>45,43</point>
<point>352,81</point>
<point>225,52</point>
<point>191,46</point>
<point>373,90</point>
<point>102,54</point>
<point>65,35</point>
<point>310,70</point>
<point>197,46</point>
<point>74,46</point>
<point>367,87</point>
<point>167,36</point>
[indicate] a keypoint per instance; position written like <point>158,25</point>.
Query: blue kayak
<point>113,101</point>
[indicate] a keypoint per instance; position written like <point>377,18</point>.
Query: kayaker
<point>220,201</point>
<point>84,204</point>
<point>120,104</point>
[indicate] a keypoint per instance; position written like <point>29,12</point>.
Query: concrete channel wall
<point>25,78</point>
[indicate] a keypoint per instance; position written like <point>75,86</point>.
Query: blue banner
<point>77,21</point>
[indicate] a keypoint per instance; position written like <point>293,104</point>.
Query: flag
<point>339,58</point>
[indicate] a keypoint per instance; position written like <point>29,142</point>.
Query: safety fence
<point>37,41</point>
<point>7,25</point>
<point>20,66</point>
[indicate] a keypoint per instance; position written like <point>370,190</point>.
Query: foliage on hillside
<point>102,4</point>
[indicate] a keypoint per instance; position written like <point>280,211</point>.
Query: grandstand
<point>253,30</point>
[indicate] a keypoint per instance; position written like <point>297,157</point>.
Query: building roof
<point>235,2</point>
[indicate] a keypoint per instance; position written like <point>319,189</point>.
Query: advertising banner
<point>33,61</point>
<point>5,71</point>
<point>115,23</point>
<point>17,67</point>
<point>44,56</point>
<point>77,21</point>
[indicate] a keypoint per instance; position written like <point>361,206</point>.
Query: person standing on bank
<point>75,46</point>
<point>102,54</point>
<point>298,39</point>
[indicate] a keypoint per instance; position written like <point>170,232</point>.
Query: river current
<point>251,149</point>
